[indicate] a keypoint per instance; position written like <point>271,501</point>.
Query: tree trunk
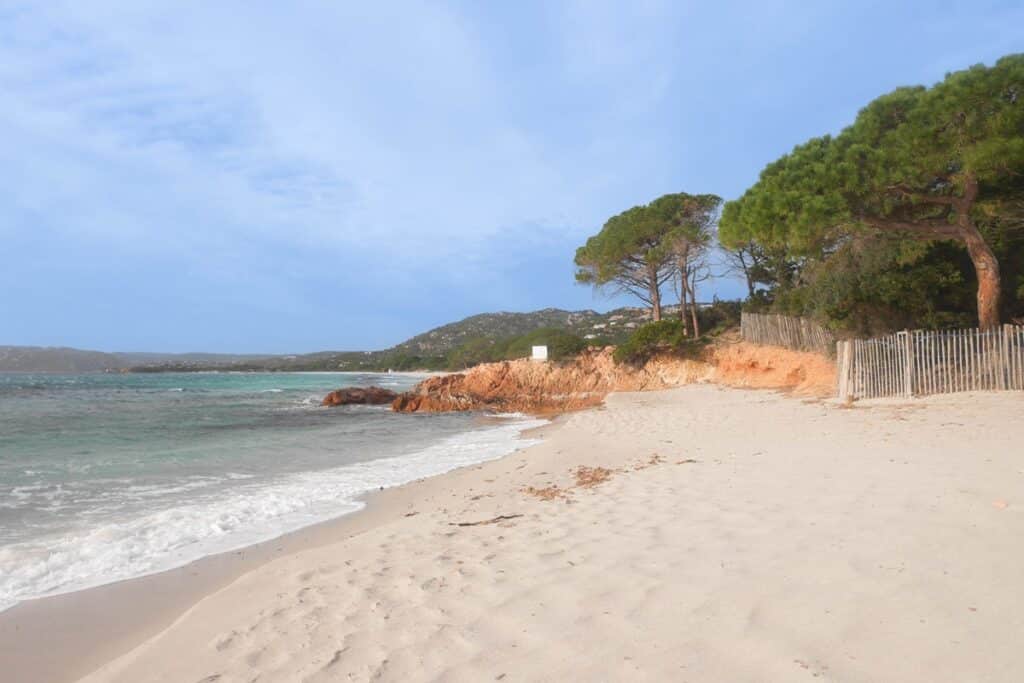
<point>985,264</point>
<point>681,266</point>
<point>652,287</point>
<point>682,308</point>
<point>693,309</point>
<point>746,273</point>
<point>987,269</point>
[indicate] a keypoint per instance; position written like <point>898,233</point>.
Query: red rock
<point>543,388</point>
<point>359,396</point>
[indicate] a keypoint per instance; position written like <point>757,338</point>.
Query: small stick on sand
<point>493,520</point>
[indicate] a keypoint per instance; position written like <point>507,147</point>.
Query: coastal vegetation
<point>672,337</point>
<point>561,345</point>
<point>643,249</point>
<point>913,216</point>
<point>454,346</point>
<point>663,336</point>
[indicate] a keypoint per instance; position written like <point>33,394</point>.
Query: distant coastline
<point>427,352</point>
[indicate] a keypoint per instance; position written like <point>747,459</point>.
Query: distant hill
<point>430,349</point>
<point>425,350</point>
<point>442,339</point>
<point>139,357</point>
<point>56,359</point>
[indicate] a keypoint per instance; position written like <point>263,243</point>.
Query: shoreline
<point>700,533</point>
<point>82,627</point>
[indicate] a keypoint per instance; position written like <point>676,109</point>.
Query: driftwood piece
<point>492,520</point>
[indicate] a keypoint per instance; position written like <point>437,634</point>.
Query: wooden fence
<point>920,362</point>
<point>799,334</point>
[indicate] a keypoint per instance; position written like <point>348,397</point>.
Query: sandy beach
<point>519,342</point>
<point>712,534</point>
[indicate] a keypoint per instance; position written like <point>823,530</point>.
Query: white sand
<point>808,542</point>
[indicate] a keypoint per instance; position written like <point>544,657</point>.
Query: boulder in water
<point>359,396</point>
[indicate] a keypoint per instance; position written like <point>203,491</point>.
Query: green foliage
<point>719,316</point>
<point>904,151</point>
<point>403,362</point>
<point>685,220</point>
<point>600,342</point>
<point>561,344</point>
<point>904,174</point>
<point>636,250</point>
<point>472,352</point>
<point>439,341</point>
<point>868,288</point>
<point>663,336</point>
<point>670,336</point>
<point>628,253</point>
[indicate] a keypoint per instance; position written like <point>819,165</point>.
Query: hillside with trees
<point>480,338</point>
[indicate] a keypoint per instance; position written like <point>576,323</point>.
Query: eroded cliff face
<point>739,364</point>
<point>531,387</point>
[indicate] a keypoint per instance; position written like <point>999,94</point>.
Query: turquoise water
<point>104,477</point>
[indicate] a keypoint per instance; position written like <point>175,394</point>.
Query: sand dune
<point>735,536</point>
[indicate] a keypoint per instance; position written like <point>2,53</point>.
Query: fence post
<point>840,380</point>
<point>843,368</point>
<point>1004,356</point>
<point>908,364</point>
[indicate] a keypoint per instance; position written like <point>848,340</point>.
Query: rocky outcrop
<point>531,387</point>
<point>527,386</point>
<point>359,396</point>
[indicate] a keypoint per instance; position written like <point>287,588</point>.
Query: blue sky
<point>287,177</point>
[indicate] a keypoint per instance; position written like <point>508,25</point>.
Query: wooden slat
<point>799,334</point>
<point>956,360</point>
<point>909,363</point>
<point>947,373</point>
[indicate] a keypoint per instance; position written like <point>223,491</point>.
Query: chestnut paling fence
<point>908,363</point>
<point>922,362</point>
<point>799,334</point>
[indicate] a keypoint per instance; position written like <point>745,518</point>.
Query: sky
<point>288,177</point>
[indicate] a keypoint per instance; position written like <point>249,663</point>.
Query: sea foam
<point>239,516</point>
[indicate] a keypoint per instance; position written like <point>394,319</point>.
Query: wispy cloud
<point>247,157</point>
<point>327,126</point>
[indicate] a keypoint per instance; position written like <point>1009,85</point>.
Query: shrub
<point>657,337</point>
<point>719,316</point>
<point>660,337</point>
<point>561,344</point>
<point>471,352</point>
<point>598,342</point>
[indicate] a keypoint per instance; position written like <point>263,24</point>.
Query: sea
<point>106,477</point>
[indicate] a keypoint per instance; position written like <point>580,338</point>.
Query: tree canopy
<point>918,164</point>
<point>689,222</point>
<point>628,254</point>
<point>639,250</point>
